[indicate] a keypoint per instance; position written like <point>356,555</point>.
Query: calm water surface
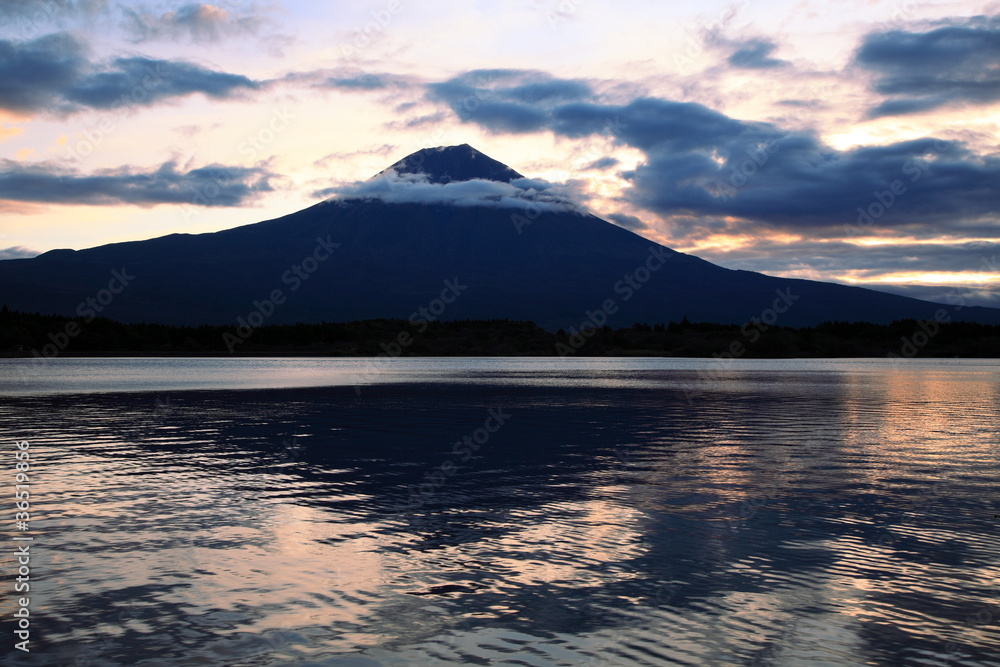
<point>507,511</point>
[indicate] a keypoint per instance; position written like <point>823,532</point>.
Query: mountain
<point>448,164</point>
<point>353,258</point>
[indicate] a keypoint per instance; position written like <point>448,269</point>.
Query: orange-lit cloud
<point>9,132</point>
<point>926,278</point>
<point>19,208</point>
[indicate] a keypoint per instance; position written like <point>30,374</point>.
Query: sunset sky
<point>749,133</point>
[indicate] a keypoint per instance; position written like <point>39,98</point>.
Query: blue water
<point>507,511</point>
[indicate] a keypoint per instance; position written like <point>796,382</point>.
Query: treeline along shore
<point>34,335</point>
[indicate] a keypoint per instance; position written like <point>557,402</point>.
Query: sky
<point>856,142</point>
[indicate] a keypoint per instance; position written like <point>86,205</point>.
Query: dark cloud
<point>755,54</point>
<point>807,104</point>
<point>830,259</point>
<point>702,163</point>
<point>197,22</point>
<point>970,294</point>
<point>868,261</point>
<point>33,74</point>
<point>418,121</point>
<point>508,117</point>
<point>53,73</point>
<point>507,100</point>
<point>215,185</point>
<point>601,164</point>
<point>902,107</point>
<point>919,71</point>
<point>145,81</point>
<point>548,90</point>
<point>649,124</point>
<point>361,81</point>
<point>349,80</point>
<point>41,12</point>
<point>792,180</point>
<point>27,7</point>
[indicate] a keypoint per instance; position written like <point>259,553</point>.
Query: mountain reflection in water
<point>610,512</point>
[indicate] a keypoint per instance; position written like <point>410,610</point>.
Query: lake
<point>487,511</point>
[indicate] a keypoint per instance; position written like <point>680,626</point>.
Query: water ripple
<point>624,515</point>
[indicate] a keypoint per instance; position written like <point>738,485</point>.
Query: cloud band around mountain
<point>525,193</point>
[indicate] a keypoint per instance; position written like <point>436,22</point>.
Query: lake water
<point>506,511</point>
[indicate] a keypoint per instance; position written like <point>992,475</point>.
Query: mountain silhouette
<point>500,256</point>
<point>448,164</point>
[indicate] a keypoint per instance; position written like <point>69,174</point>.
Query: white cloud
<point>17,252</point>
<point>524,193</point>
